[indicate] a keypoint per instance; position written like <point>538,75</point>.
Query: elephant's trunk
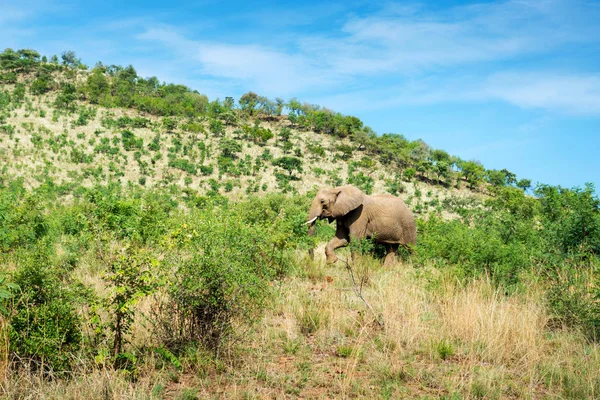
<point>313,215</point>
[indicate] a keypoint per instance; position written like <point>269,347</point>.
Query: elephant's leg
<point>390,257</point>
<point>339,240</point>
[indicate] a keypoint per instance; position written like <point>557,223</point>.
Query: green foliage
<point>285,134</point>
<point>524,184</point>
<point>230,148</point>
<point>473,172</point>
<point>7,290</point>
<point>19,61</point>
<point>42,84</point>
<point>290,164</point>
<point>216,127</point>
<point>483,248</point>
<point>79,156</point>
<point>409,174</point>
<point>18,93</point>
<point>23,220</point>
<point>85,115</point>
<point>97,86</point>
<point>359,179</point>
<point>105,147</point>
<point>573,295</point>
<point>345,151</point>
<point>316,149</point>
<point>129,279</point>
<point>258,134</point>
<point>206,170</point>
<point>215,288</point>
<point>248,102</point>
<point>69,58</point>
<point>444,349</point>
<point>66,98</point>
<point>130,141</point>
<point>184,165</point>
<point>44,327</point>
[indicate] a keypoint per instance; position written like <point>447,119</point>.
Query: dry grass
<point>4,345</point>
<point>440,339</point>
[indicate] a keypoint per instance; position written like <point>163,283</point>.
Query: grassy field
<point>433,338</point>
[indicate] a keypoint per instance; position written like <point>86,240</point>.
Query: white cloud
<point>261,68</point>
<point>464,35</point>
<point>564,93</point>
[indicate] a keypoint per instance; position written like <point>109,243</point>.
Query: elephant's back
<point>392,220</point>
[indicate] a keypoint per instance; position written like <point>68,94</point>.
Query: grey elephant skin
<point>383,217</point>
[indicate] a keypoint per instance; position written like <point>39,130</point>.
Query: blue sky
<point>513,84</point>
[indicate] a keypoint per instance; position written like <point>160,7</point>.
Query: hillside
<point>152,246</point>
<point>78,127</point>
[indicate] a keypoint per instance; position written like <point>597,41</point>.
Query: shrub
<point>45,328</point>
<point>224,283</point>
<point>130,141</point>
<point>129,279</point>
<point>184,165</point>
<point>573,297</point>
<point>290,164</point>
<point>206,170</point>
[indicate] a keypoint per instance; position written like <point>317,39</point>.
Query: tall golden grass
<point>439,338</point>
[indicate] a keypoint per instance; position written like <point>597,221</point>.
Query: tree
<point>524,184</point>
<point>9,59</point>
<point>229,103</point>
<point>42,84</point>
<point>294,106</point>
<point>442,170</point>
<point>290,164</point>
<point>230,148</point>
<point>248,102</point>
<point>66,98</point>
<point>96,85</point>
<point>495,178</point>
<point>345,150</point>
<point>20,60</point>
<point>267,107</point>
<point>69,58</point>
<point>293,118</point>
<point>510,178</point>
<point>28,58</point>
<point>216,127</point>
<point>473,172</point>
<point>215,108</point>
<point>279,104</point>
<point>285,134</point>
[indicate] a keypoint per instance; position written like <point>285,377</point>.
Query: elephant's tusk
<point>311,221</point>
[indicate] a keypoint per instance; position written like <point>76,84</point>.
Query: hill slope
<point>78,127</point>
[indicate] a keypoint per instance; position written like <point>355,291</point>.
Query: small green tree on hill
<point>290,164</point>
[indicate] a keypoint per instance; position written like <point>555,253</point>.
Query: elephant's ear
<point>348,198</point>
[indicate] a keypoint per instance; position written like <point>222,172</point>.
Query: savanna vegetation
<point>152,246</point>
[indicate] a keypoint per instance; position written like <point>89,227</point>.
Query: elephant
<point>384,217</point>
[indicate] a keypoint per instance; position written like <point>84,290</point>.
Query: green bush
<point>573,295</point>
<point>224,283</point>
<point>184,165</point>
<point>130,141</point>
<point>45,328</point>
